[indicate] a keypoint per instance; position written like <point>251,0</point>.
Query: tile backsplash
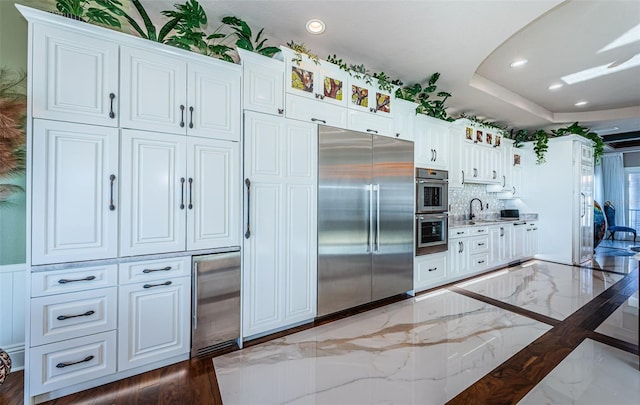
<point>459,202</point>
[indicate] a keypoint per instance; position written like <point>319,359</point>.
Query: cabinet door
<point>154,193</point>
<point>403,119</point>
<point>303,109</point>
<point>458,257</point>
<point>280,244</point>
<point>75,201</point>
<point>440,136</point>
<point>429,270</point>
<point>75,77</point>
<point>213,179</point>
<point>370,123</point>
<point>263,83</point>
<point>518,241</point>
<point>370,98</point>
<point>154,93</point>
<point>153,321</point>
<point>495,237</point>
<point>213,102</point>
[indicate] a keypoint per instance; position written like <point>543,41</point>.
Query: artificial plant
<point>245,38</point>
<point>577,129</point>
<point>95,11</point>
<point>300,49</point>
<point>433,107</point>
<point>13,109</point>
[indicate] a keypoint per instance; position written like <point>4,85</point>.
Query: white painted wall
<point>13,292</point>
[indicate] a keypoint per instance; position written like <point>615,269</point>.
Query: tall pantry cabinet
<point>133,167</point>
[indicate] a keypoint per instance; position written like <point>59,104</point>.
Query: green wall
<point>13,55</point>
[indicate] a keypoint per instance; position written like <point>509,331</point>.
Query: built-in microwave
<point>432,234</point>
<point>432,188</point>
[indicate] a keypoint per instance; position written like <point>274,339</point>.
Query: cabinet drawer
<point>137,272</point>
<point>74,361</point>
<point>370,123</point>
<point>479,245</point>
<point>300,108</point>
<point>479,262</point>
<point>458,233</point>
<point>482,230</point>
<point>71,280</point>
<point>429,271</point>
<point>66,316</point>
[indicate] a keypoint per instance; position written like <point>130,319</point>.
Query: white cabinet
<point>153,321</point>
<point>518,241</point>
<point>531,239</point>
<point>404,119</point>
<point>75,183</point>
<point>153,193</point>
<point>431,142</point>
<point>75,77</point>
<point>516,173</point>
<point>429,270</point>
<point>263,83</point>
<point>458,257</point>
<point>322,81</point>
<point>280,247</point>
<point>304,109</point>
<point>164,93</point>
<point>369,123</point>
<point>500,244</point>
<point>177,187</point>
<point>369,97</point>
<point>213,200</point>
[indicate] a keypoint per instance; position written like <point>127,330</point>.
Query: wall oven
<point>432,233</point>
<point>432,203</point>
<point>432,189</point>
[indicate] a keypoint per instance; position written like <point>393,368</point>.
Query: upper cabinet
<point>262,83</point>
<point>75,77</point>
<point>322,81</point>
<point>480,151</point>
<point>164,93</point>
<point>367,96</point>
<point>431,142</point>
<point>404,118</point>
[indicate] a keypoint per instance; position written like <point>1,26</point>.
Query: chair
<point>610,214</point>
<point>5,365</point>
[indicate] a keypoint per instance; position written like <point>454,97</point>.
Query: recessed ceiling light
<point>315,26</point>
<point>581,103</point>
<point>555,86</point>
<point>518,63</point>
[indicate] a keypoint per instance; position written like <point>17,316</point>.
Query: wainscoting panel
<point>13,292</point>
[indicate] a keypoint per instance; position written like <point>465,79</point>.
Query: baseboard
<point>16,352</point>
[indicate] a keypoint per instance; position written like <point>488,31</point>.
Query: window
<point>633,196</point>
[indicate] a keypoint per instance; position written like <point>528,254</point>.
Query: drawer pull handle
<point>63,365</point>
<point>67,280</point>
<point>480,244</point>
<point>459,233</point>
<point>146,271</point>
<point>372,131</point>
<point>318,120</point>
<point>111,113</point>
<point>156,285</point>
<point>63,317</point>
<point>480,261</point>
<point>433,269</point>
<point>480,230</point>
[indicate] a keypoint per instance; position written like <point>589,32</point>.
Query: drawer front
<point>483,230</point>
<point>139,272</point>
<point>71,280</point>
<point>66,316</point>
<point>370,123</point>
<point>479,245</point>
<point>74,361</point>
<point>458,233</point>
<point>430,271</point>
<point>479,262</point>
<point>317,112</point>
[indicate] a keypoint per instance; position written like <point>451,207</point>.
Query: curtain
<point>598,192</point>
<point>613,185</point>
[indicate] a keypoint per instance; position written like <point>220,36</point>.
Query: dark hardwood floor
<point>194,381</point>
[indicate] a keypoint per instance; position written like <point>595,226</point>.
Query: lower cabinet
<point>280,230</point>
<point>531,239</point>
<point>429,270</point>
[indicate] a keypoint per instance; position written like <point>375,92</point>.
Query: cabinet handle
<point>480,261</point>
<point>182,193</point>
<point>462,176</point>
<point>320,96</point>
<point>67,280</point>
<point>63,317</point>
<point>529,230</point>
<point>280,111</point>
<point>156,285</point>
<point>112,178</point>
<point>373,110</point>
<point>514,190</point>
<point>461,247</point>
<point>191,117</point>
<point>318,120</point>
<point>480,244</point>
<point>501,231</point>
<point>111,98</point>
<point>431,160</point>
<point>504,181</point>
<point>247,234</point>
<point>190,193</point>
<point>535,229</point>
<point>372,130</point>
<point>475,172</point>
<point>433,269</point>
<point>480,230</point>
<point>67,364</point>
<point>147,271</point>
<point>181,116</point>
<point>460,233</point>
<point>495,175</point>
<point>397,134</point>
<point>436,153</point>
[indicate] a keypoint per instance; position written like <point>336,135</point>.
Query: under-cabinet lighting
<point>315,26</point>
<point>555,86</point>
<point>518,63</point>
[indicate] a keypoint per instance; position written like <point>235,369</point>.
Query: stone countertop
<point>458,223</point>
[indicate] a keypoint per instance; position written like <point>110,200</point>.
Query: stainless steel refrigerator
<point>365,218</point>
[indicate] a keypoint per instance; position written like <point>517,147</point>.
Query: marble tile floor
<point>496,339</point>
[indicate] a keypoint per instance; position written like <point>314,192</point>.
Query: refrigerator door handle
<point>584,200</point>
<point>369,188</point>
<point>195,297</point>
<point>376,188</point>
<point>247,234</point>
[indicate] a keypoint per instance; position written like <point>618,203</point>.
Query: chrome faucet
<point>471,216</point>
